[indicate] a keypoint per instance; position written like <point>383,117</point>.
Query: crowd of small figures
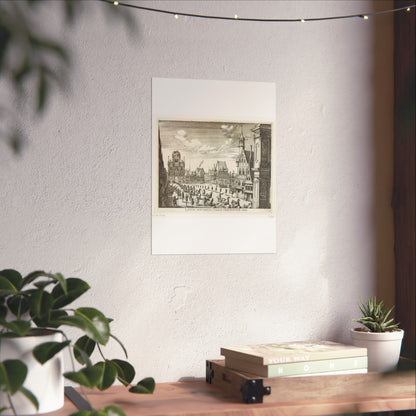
<point>205,195</point>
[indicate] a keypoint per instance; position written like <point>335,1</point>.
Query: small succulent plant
<point>375,318</point>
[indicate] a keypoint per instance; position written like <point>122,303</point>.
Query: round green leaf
<point>55,315</point>
<point>12,375</point>
<point>44,283</point>
<point>91,321</point>
<point>97,327</point>
<point>75,288</point>
<point>7,287</point>
<point>45,351</point>
<point>110,411</point>
<point>19,327</point>
<point>13,276</point>
<point>53,278</point>
<point>125,371</point>
<point>18,305</point>
<point>108,374</point>
<point>31,277</point>
<point>29,395</point>
<point>83,413</point>
<point>105,411</point>
<point>3,312</point>
<point>145,386</point>
<point>40,303</point>
<point>88,376</point>
<point>75,321</point>
<point>62,281</point>
<point>83,349</point>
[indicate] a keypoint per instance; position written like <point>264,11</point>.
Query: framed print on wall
<point>213,167</point>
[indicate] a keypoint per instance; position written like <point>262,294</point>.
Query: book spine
<point>333,373</point>
<point>313,367</point>
<point>314,356</point>
<point>309,367</point>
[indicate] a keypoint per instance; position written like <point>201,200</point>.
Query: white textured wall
<point>79,199</point>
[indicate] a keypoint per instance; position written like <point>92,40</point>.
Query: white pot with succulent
<point>380,335</point>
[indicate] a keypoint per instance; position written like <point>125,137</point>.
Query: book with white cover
<point>292,352</point>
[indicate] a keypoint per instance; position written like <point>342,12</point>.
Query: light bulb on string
<point>176,17</point>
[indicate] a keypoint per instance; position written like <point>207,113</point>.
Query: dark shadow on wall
<point>394,166</point>
<point>382,142</point>
<point>403,201</point>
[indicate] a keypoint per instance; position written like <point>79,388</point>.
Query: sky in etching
<point>204,143</point>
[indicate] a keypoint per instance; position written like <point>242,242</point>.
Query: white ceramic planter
<point>44,381</point>
<point>383,348</point>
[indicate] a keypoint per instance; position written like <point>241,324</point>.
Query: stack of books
<point>296,359</point>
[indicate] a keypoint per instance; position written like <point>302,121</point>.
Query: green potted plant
<point>34,311</point>
<point>380,335</point>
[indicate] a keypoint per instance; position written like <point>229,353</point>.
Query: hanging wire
<point>250,19</point>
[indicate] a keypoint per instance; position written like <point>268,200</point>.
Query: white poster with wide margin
<point>213,167</point>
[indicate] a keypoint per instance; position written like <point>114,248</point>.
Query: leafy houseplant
<point>40,302</point>
<point>381,335</point>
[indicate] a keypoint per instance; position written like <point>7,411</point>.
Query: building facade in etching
<point>243,180</point>
<point>176,167</point>
<point>262,166</point>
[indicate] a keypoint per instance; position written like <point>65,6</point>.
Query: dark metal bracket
<point>209,372</point>
<point>253,391</point>
<point>77,399</point>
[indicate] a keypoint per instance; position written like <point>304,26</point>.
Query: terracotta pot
<point>44,381</point>
<point>383,348</point>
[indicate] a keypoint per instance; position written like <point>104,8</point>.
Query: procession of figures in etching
<point>205,195</point>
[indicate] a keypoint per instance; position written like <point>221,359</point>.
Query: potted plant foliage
<point>380,335</point>
<point>34,311</point>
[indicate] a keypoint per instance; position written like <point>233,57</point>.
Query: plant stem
<point>101,353</point>
<point>19,310</point>
<point>73,369</point>
<point>11,404</point>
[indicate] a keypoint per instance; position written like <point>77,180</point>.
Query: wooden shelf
<point>198,398</point>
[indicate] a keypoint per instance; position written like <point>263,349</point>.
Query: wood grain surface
<point>315,396</point>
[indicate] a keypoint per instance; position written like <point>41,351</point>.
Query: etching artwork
<point>214,166</point>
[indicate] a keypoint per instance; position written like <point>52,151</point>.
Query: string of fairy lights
<point>235,17</point>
